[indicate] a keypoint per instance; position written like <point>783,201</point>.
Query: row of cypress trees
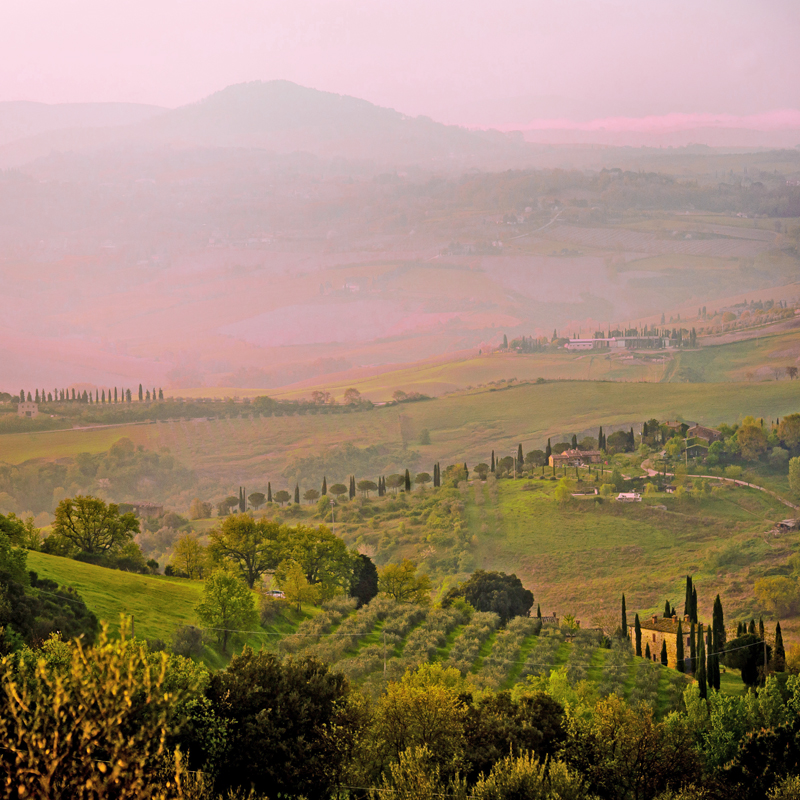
<point>99,396</point>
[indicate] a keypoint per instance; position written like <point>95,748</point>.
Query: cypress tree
<point>694,604</point>
<point>115,394</point>
<point>761,628</point>
<point>492,467</point>
<point>96,396</point>
<point>352,490</point>
<point>574,442</point>
<point>36,397</point>
<point>637,632</point>
<point>718,624</point>
<point>692,650</point>
<point>30,399</point>
<point>664,659</point>
<point>466,472</point>
<point>647,653</point>
<point>269,492</point>
<point>538,611</point>
<point>548,451</point>
<point>601,442</point>
<point>632,438</point>
<point>780,652</point>
<point>408,481</point>
<point>160,393</point>
<point>141,393</point>
<point>624,618</point>
<point>520,456</point>
<point>297,493</point>
<point>128,396</point>
<point>681,667</point>
<point>701,664</point>
<point>324,486</point>
<point>667,610</point>
<point>103,396</point>
<point>644,430</point>
<point>752,627</point>
<point>687,603</point>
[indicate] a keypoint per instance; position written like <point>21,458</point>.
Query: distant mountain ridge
<point>279,116</point>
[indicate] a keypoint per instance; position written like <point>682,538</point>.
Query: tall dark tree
<point>141,393</point>
<point>624,618</point>
<point>573,443</point>
<point>520,454</point>
<point>647,654</point>
<point>269,492</point>
<point>297,493</point>
<point>687,603</point>
<point>761,634</point>
<point>637,633</point>
<point>681,666</point>
<point>364,583</point>
<point>692,650</point>
<point>494,591</point>
<point>718,624</point>
<point>160,393</point>
<point>751,628</point>
<point>694,604</point>
<point>667,610</point>
<point>538,611</point>
<point>466,471</point>
<point>700,674</point>
<point>408,481</point>
<point>324,491</point>
<point>780,652</point>
<point>492,467</point>
<point>644,431</point>
<point>664,659</point>
<point>548,451</point>
<point>352,489</point>
<point>601,439</point>
<point>115,394</point>
<point>632,438</point>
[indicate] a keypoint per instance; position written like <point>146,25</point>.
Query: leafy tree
<point>794,476</point>
<point>310,495</point>
<point>402,584</point>
<point>227,606</point>
<point>746,653</point>
<point>779,594</point>
<point>338,490</point>
<point>294,583</point>
<point>92,526</point>
<point>68,734</point>
<point>250,547</point>
<point>282,729</point>
<point>364,582</point>
<point>257,499</point>
<point>497,592</point>
<point>752,440</point>
<point>189,556</point>
<point>282,497</point>
<point>352,397</point>
<point>365,487</point>
<point>637,632</point>
<point>481,470</point>
<point>324,557</point>
<point>789,431</point>
<point>422,478</point>
<point>536,458</point>
<point>199,509</point>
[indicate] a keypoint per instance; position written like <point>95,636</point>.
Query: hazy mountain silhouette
<point>283,117</point>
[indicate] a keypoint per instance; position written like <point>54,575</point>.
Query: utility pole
<point>333,517</point>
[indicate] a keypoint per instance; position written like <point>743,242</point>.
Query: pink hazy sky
<point>482,63</point>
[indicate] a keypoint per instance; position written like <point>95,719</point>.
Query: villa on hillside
<point>576,458</point>
<point>656,630</point>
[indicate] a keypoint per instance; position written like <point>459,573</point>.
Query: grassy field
<point>157,605</point>
<point>463,426</point>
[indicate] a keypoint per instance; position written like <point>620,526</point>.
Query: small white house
<point>277,594</point>
<point>629,497</point>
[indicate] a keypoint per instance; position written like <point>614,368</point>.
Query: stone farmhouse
<point>576,458</point>
<point>28,410</point>
<point>656,630</point>
<point>708,435</point>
